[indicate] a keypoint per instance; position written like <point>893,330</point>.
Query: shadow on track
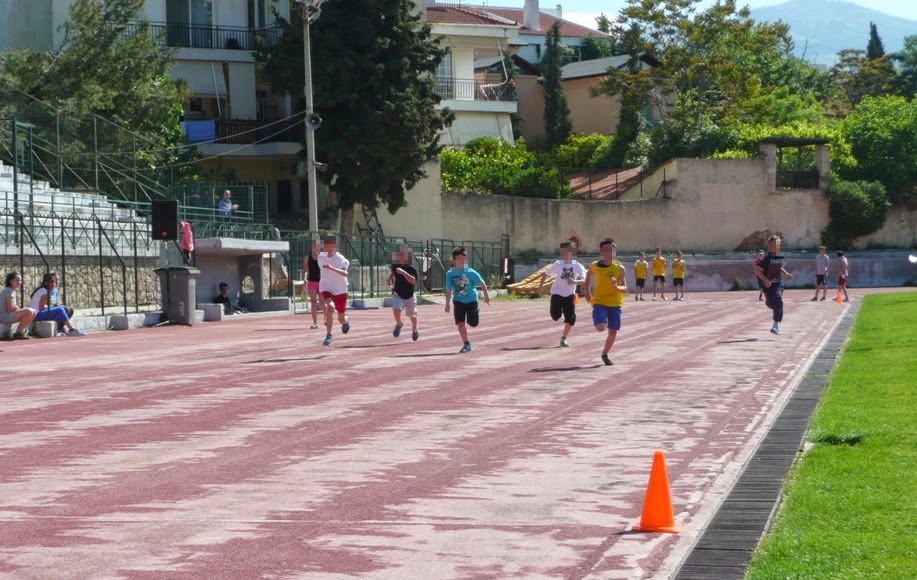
<point>281,360</point>
<point>565,369</point>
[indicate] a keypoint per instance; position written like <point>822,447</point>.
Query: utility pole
<point>311,9</point>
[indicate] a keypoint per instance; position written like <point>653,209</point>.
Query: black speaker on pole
<point>165,220</point>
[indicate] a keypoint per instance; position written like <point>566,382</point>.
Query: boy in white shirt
<point>333,287</point>
<point>568,273</point>
<point>821,273</point>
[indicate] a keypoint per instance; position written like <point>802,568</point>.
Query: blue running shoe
<point>328,340</point>
<point>466,347</point>
<point>397,332</point>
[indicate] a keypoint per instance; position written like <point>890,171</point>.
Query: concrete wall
<point>422,219</point>
<point>470,125</point>
<point>27,24</point>
<point>530,96</point>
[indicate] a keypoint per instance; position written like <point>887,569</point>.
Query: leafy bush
<point>672,140</point>
<point>578,151</point>
<point>493,166</point>
<point>856,208</point>
<point>736,285</point>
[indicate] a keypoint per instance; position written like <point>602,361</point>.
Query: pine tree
<point>373,68</point>
<point>875,49</point>
<point>557,121</point>
<point>603,23</point>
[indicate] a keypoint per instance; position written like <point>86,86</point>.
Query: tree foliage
<point>906,59</point>
<point>108,65</point>
<point>857,76</point>
<point>594,47</point>
<point>874,48</point>
<point>856,208</point>
<point>493,166</point>
<point>558,124</point>
<point>882,132</point>
<point>375,92</point>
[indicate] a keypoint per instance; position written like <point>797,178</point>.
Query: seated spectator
<point>55,297</point>
<point>10,313</point>
<point>46,311</point>
<point>228,306</point>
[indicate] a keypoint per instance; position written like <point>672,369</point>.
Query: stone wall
<point>82,280</point>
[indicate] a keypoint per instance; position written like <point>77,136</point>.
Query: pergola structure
<point>800,177</point>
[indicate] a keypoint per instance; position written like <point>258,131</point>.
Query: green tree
<point>874,49</point>
<point>906,59</point>
<point>593,47</point>
<point>558,124</point>
<point>375,92</point>
<point>108,65</point>
<point>856,77</point>
<point>603,23</point>
<point>882,132</point>
<point>856,208</point>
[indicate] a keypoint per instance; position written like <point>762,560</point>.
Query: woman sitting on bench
<point>58,314</point>
<point>10,313</point>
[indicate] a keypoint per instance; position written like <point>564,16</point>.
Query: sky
<point>584,11</point>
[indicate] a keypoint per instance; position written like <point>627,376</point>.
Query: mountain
<point>820,28</point>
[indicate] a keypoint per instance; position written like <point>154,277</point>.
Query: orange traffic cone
<point>839,298</point>
<point>576,299</point>
<point>658,515</point>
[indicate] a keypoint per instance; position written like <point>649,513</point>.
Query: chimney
<point>560,11</point>
<point>531,16</point>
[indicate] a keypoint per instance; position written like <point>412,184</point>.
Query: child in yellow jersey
<point>659,264</point>
<point>678,275</point>
<point>608,296</point>
<point>640,268</point>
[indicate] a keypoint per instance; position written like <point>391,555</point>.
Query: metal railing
<point>178,35</point>
<point>473,90</point>
<point>242,132</point>
<point>797,179</point>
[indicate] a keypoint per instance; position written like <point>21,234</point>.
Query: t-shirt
<point>605,293</point>
<point>315,272</point>
<point>332,281</point>
<point>463,284</point>
<point>220,299</point>
<point>55,297</point>
<point>640,268</point>
<point>403,288</point>
<point>678,269</point>
<point>842,266</point>
<point>563,272</point>
<point>659,266</point>
<point>36,299</point>
<point>821,264</point>
<point>6,293</point>
<point>773,268</point>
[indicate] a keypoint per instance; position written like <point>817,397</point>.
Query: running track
<point>247,450</point>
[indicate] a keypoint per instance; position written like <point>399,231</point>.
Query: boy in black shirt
<point>770,271</point>
<point>401,281</point>
<point>228,306</point>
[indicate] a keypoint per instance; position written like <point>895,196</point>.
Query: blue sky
<point>585,11</point>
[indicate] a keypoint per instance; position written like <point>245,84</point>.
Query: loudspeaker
<point>165,220</point>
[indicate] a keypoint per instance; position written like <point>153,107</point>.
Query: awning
<point>203,78</point>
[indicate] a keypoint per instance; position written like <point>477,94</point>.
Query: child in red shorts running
<point>333,287</point>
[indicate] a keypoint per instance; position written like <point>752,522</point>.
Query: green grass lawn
<point>851,503</point>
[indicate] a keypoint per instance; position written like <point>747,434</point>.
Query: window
<point>444,71</point>
<point>257,14</point>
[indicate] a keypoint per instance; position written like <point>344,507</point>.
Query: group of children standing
<point>641,267</point>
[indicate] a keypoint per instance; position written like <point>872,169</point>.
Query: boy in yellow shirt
<point>659,264</point>
<point>678,275</point>
<point>608,297</point>
<point>640,268</point>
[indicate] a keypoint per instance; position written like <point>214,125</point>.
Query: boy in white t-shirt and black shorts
<point>568,273</point>
<point>333,287</point>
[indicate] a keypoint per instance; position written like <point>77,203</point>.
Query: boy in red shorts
<point>333,287</point>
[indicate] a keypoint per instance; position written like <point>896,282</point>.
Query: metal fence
<point>371,258</point>
<point>182,35</point>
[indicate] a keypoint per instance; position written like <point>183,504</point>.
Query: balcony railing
<point>222,37</point>
<point>472,90</point>
<point>237,132</point>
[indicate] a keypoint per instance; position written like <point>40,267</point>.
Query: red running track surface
<point>245,449</point>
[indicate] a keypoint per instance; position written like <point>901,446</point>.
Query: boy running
<point>678,275</point>
<point>567,274</point>
<point>333,287</point>
<point>461,291</point>
<point>771,272</point>
<point>402,281</point>
<point>842,275</point>
<point>608,298</point>
<point>640,268</point>
<point>659,264</point>
<point>821,273</point>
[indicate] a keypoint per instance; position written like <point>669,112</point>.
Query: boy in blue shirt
<point>461,291</point>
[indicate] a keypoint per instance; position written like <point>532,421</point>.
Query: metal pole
<point>63,260</point>
<point>134,161</point>
<point>31,167</point>
<point>136,272</point>
<point>95,150</point>
<point>101,268</point>
<point>15,166</point>
<point>60,159</point>
<point>310,129</point>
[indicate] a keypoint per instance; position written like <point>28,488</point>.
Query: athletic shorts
<point>468,313</point>
<point>609,316</point>
<point>678,282</point>
<point>406,305</point>
<point>312,286</point>
<point>340,301</point>
<point>659,279</point>
<point>820,279</point>
<point>563,305</point>
<point>841,280</point>
<point>641,282</point>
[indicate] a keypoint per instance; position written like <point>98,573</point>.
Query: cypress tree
<point>558,124</point>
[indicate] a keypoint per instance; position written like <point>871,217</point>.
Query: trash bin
<point>178,288</point>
